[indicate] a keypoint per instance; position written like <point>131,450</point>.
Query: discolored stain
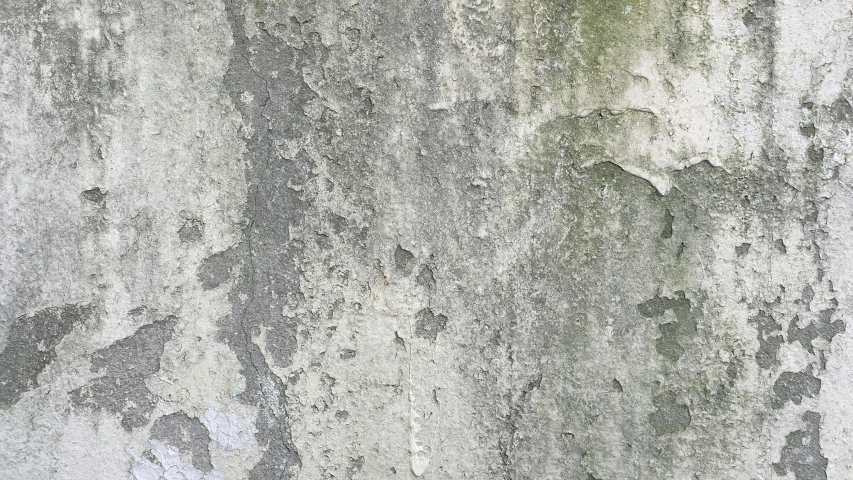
<point>31,346</point>
<point>124,366</point>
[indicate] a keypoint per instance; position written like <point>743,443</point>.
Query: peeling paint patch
<point>670,417</point>
<point>794,386</point>
<point>671,333</point>
<point>188,435</point>
<point>769,339</point>
<point>801,454</point>
<point>31,346</point>
<point>192,231</point>
<point>216,269</point>
<point>428,325</point>
<point>125,365</point>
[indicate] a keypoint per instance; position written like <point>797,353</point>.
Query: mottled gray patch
<point>216,269</point>
<point>355,466</point>
<point>769,339</point>
<point>808,130</point>
<point>668,344</point>
<point>94,195</point>
<point>402,257</point>
<point>733,370</point>
<point>188,435</point>
<point>125,365</point>
<point>815,154</point>
<point>192,231</point>
<point>807,296</point>
<point>742,249</point>
<point>31,346</point>
<point>794,386</point>
<point>347,354</point>
<point>841,110</point>
<point>427,324</point>
<point>425,278</point>
<point>323,241</point>
<point>801,454</point>
<point>780,246</point>
<point>281,343</point>
<point>670,417</point>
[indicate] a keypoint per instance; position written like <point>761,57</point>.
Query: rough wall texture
<point>269,239</point>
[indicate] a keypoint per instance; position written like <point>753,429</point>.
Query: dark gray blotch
<point>347,354</point>
<point>192,231</point>
<point>667,226</point>
<point>188,435</point>
<point>425,278</point>
<point>801,454</point>
<point>671,333</point>
<point>808,130</point>
<point>670,417</point>
<point>769,339</point>
<point>402,257</point>
<point>427,324</point>
<point>94,195</point>
<point>216,269</point>
<point>841,110</point>
<point>794,386</point>
<point>820,328</point>
<point>125,365</point>
<point>31,346</point>
<point>742,249</point>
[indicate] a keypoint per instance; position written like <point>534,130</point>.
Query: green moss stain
<point>260,8</point>
<point>585,50</point>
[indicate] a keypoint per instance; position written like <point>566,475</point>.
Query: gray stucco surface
<point>452,239</point>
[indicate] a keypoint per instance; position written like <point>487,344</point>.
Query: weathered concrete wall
<point>590,239</point>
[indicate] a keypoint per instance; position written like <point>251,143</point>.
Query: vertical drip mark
<point>418,461</point>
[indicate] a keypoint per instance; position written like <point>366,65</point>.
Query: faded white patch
<point>168,466</point>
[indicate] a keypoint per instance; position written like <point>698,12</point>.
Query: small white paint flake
<point>246,97</point>
<point>628,9</point>
<point>418,461</point>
